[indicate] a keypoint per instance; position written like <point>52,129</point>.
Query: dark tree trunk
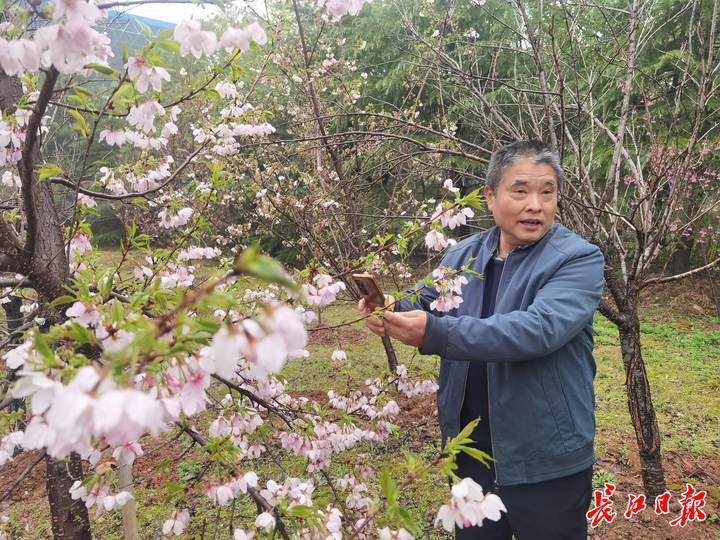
<point>69,517</point>
<point>14,320</point>
<point>642,411</point>
<point>680,260</point>
<point>42,258</point>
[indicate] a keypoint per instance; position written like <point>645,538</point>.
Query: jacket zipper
<point>487,375</point>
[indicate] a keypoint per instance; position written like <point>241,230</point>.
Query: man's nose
<point>533,203</point>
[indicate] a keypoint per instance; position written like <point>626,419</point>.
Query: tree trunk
<point>43,259</point>
<point>680,259</point>
<point>129,510</point>
<point>641,407</point>
<point>69,517</point>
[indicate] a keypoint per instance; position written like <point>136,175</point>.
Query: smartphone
<point>369,290</point>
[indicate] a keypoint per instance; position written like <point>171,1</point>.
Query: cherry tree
<point>109,356</point>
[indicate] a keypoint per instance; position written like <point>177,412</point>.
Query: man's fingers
<point>375,326</point>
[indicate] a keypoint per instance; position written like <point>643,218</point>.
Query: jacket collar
<point>490,245</point>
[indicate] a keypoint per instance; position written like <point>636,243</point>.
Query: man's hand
<point>375,324</point>
<point>406,326</point>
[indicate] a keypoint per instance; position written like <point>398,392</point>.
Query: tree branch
<point>29,153</point>
<point>676,277</point>
<point>22,477</point>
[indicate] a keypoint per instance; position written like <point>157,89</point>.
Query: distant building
<point>126,28</point>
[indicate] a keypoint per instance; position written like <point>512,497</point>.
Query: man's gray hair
<point>535,151</point>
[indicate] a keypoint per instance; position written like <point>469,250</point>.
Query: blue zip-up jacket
<point>537,348</point>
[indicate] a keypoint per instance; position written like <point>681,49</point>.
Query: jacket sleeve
<point>561,308</point>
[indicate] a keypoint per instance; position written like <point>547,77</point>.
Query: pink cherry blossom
<point>83,314</point>
<point>145,76</point>
<point>265,521</point>
<point>125,415</point>
<point>237,38</point>
<point>437,241</point>
<point>182,217</point>
<point>126,453</point>
<point>388,534</point>
<point>448,185</point>
<point>177,523</point>
<point>113,137</point>
<point>194,40</point>
<point>143,116</point>
<point>469,506</point>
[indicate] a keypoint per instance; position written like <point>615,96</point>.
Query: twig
<point>22,476</point>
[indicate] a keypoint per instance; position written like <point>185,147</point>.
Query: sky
<point>174,13</point>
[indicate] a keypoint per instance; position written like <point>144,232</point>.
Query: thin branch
<point>22,477</point>
<point>676,277</point>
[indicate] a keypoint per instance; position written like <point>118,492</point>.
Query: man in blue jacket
<point>518,351</point>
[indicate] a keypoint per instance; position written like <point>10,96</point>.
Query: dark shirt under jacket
<point>476,391</point>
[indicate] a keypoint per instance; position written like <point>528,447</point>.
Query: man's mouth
<point>531,222</point>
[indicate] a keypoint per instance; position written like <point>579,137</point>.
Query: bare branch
<point>676,277</point>
<point>22,477</point>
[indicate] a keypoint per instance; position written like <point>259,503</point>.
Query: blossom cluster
<point>449,289</point>
<point>338,8</point>
<point>469,506</point>
<point>69,44</point>
<point>100,496</point>
<point>322,291</point>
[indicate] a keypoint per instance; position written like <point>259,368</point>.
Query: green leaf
<point>408,522</point>
<point>124,53</point>
<point>61,300</point>
<point>169,45</point>
<point>80,125</point>
<point>48,170</point>
<point>263,267</point>
<point>43,349</point>
<point>105,70</point>
<point>389,488</point>
<point>473,199</point>
<point>481,456</point>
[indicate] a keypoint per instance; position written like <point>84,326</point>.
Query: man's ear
<point>489,198</point>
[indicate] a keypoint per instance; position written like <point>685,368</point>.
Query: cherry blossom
<point>182,217</point>
<point>113,138</point>
<point>240,534</point>
<point>145,76</point>
<point>338,8</point>
<point>437,241</point>
<point>469,506</point>
<point>448,185</point>
<point>83,314</point>
<point>322,291</point>
<point>449,290</point>
<point>126,453</point>
<point>387,534</point>
<point>450,218</point>
<point>236,38</point>
<point>193,39</point>
<point>339,355</point>
<point>143,116</point>
<point>265,521</point>
<point>177,523</point>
